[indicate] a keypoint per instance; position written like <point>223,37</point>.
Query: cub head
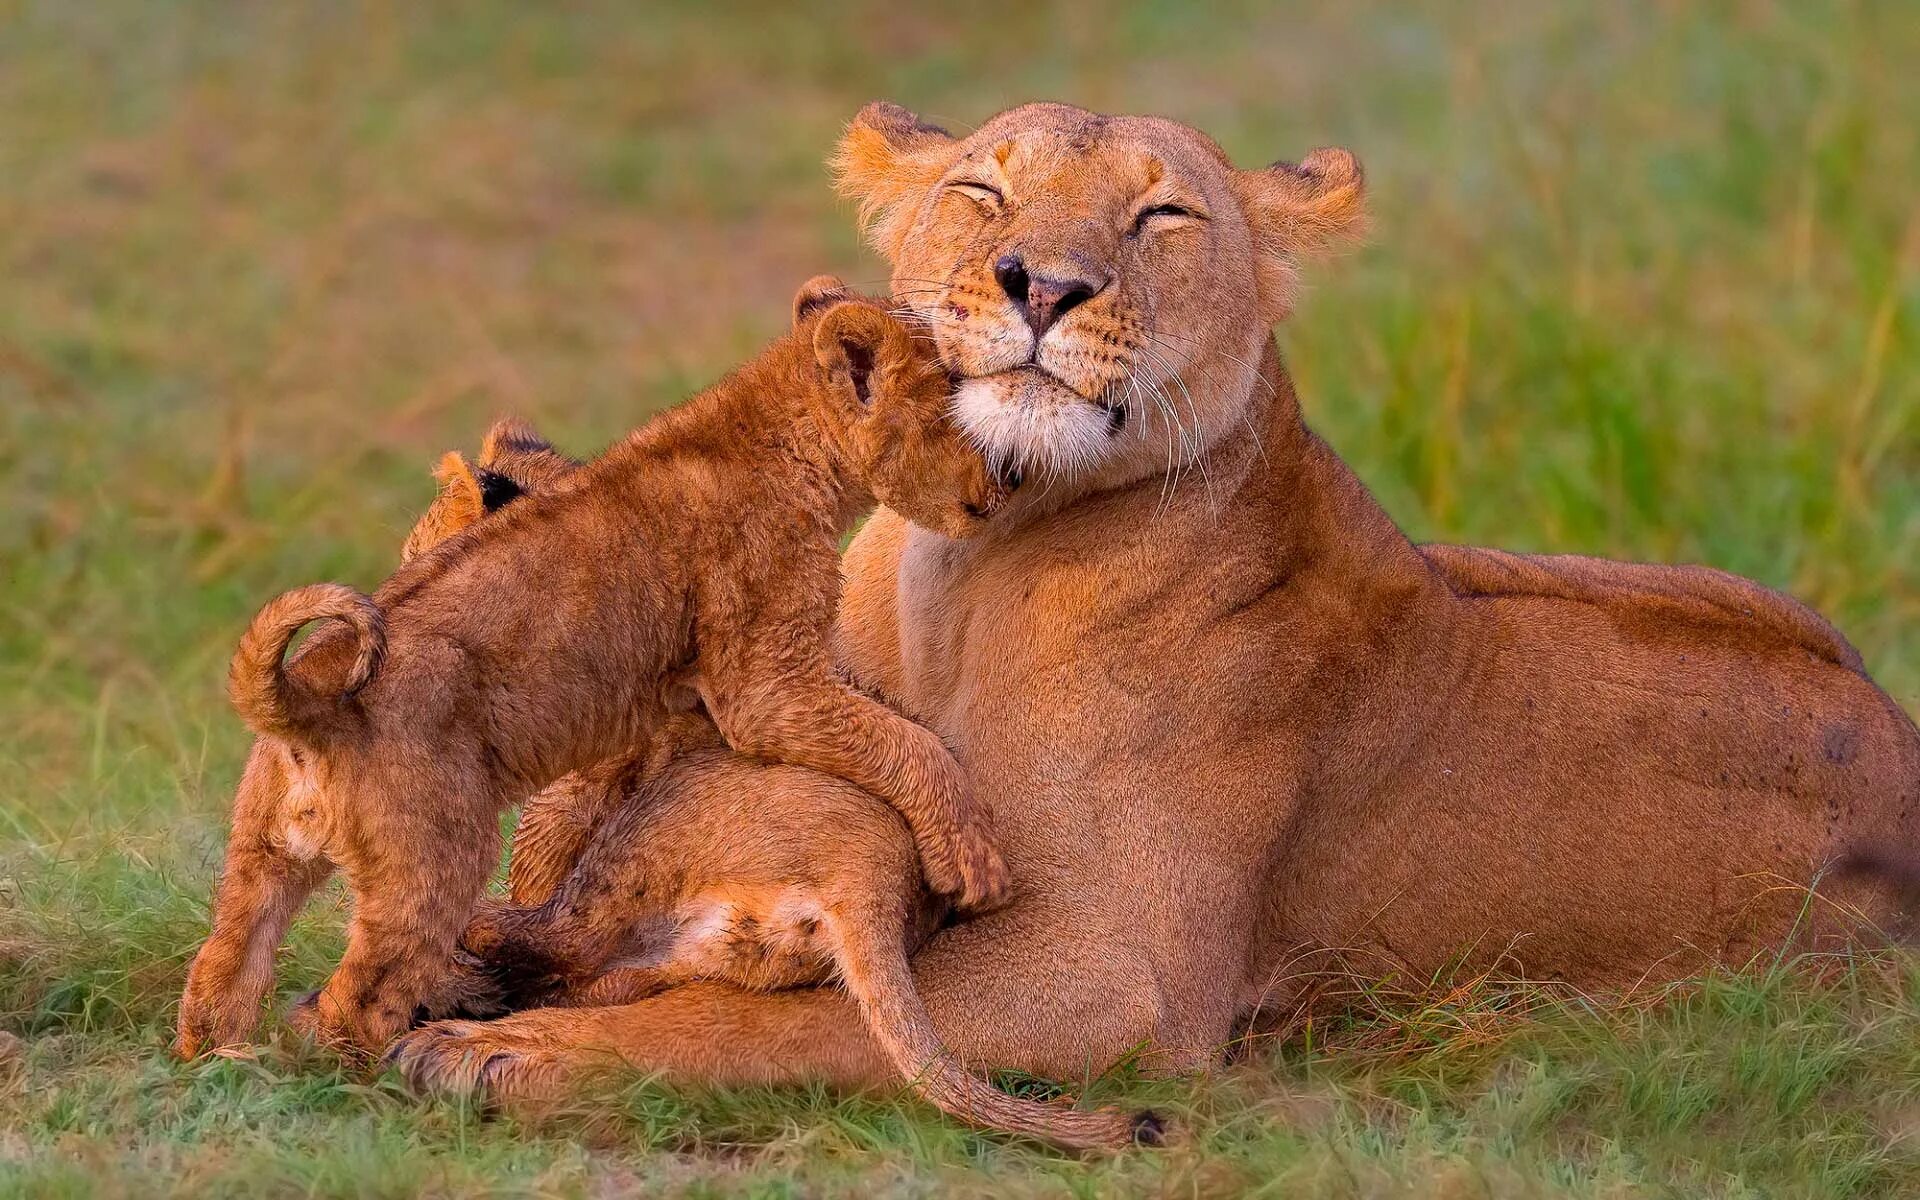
<point>1103,286</point>
<point>514,461</point>
<point>885,403</point>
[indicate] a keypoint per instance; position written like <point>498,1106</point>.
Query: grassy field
<point>1645,281</point>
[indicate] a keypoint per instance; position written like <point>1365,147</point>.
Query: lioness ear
<point>850,340</point>
<point>1298,211</point>
<point>887,159</point>
<point>816,294</point>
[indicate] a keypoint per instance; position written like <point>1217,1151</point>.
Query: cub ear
<point>886,160</point>
<point>817,293</point>
<point>471,492</point>
<point>1299,211</point>
<point>462,498</point>
<point>849,341</point>
<point>515,459</point>
<point>509,436</point>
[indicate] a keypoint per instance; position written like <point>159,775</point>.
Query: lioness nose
<point>1041,299</point>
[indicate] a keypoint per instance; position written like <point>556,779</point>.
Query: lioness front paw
<point>475,1060</point>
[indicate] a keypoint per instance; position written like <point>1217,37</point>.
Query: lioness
<point>1252,728</point>
<point>552,637</point>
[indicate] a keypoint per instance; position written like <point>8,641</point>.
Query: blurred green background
<point>1644,281</point>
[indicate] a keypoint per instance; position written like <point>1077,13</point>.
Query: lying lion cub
<point>553,636</point>
<point>708,865</point>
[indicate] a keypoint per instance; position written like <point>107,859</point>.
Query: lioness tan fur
<point>554,636</point>
<point>1254,731</point>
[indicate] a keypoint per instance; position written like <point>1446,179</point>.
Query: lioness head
<point>1102,285</point>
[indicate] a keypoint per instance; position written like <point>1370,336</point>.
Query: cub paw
<point>985,880</point>
<point>941,870</point>
<point>312,1020</point>
<point>211,1022</point>
<point>304,1017</point>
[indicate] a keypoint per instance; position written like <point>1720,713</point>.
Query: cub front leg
<point>801,715</point>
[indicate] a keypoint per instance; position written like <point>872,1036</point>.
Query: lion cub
<point>633,875</point>
<point>272,865</point>
<point>641,859</point>
<point>555,635</point>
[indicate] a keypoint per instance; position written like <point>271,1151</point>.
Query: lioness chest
<point>1097,708</point>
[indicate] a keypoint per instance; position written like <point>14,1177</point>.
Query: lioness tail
<point>1898,870</point>
<point>271,703</point>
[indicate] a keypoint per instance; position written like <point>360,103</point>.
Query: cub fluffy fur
<point>835,895</point>
<point>701,550</point>
<point>271,866</point>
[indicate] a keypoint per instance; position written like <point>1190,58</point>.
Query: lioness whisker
<point>1156,334</point>
<point>1166,367</point>
<point>1212,377</point>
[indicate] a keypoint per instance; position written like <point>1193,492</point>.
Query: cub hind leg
<point>422,848</point>
<point>264,882</point>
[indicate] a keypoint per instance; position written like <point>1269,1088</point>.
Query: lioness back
<point>1697,599</point>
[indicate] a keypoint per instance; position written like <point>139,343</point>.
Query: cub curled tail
<point>271,702</point>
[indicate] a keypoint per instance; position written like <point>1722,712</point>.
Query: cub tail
<point>873,965</point>
<point>276,705</point>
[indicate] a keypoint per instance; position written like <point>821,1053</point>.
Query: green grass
<point>1645,282</point>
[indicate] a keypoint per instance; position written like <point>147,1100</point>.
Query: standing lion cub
<point>556,635</point>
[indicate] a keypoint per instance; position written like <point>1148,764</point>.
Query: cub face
<point>887,400</point>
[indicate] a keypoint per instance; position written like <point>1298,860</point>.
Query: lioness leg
<point>703,1032</point>
<point>999,997</point>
